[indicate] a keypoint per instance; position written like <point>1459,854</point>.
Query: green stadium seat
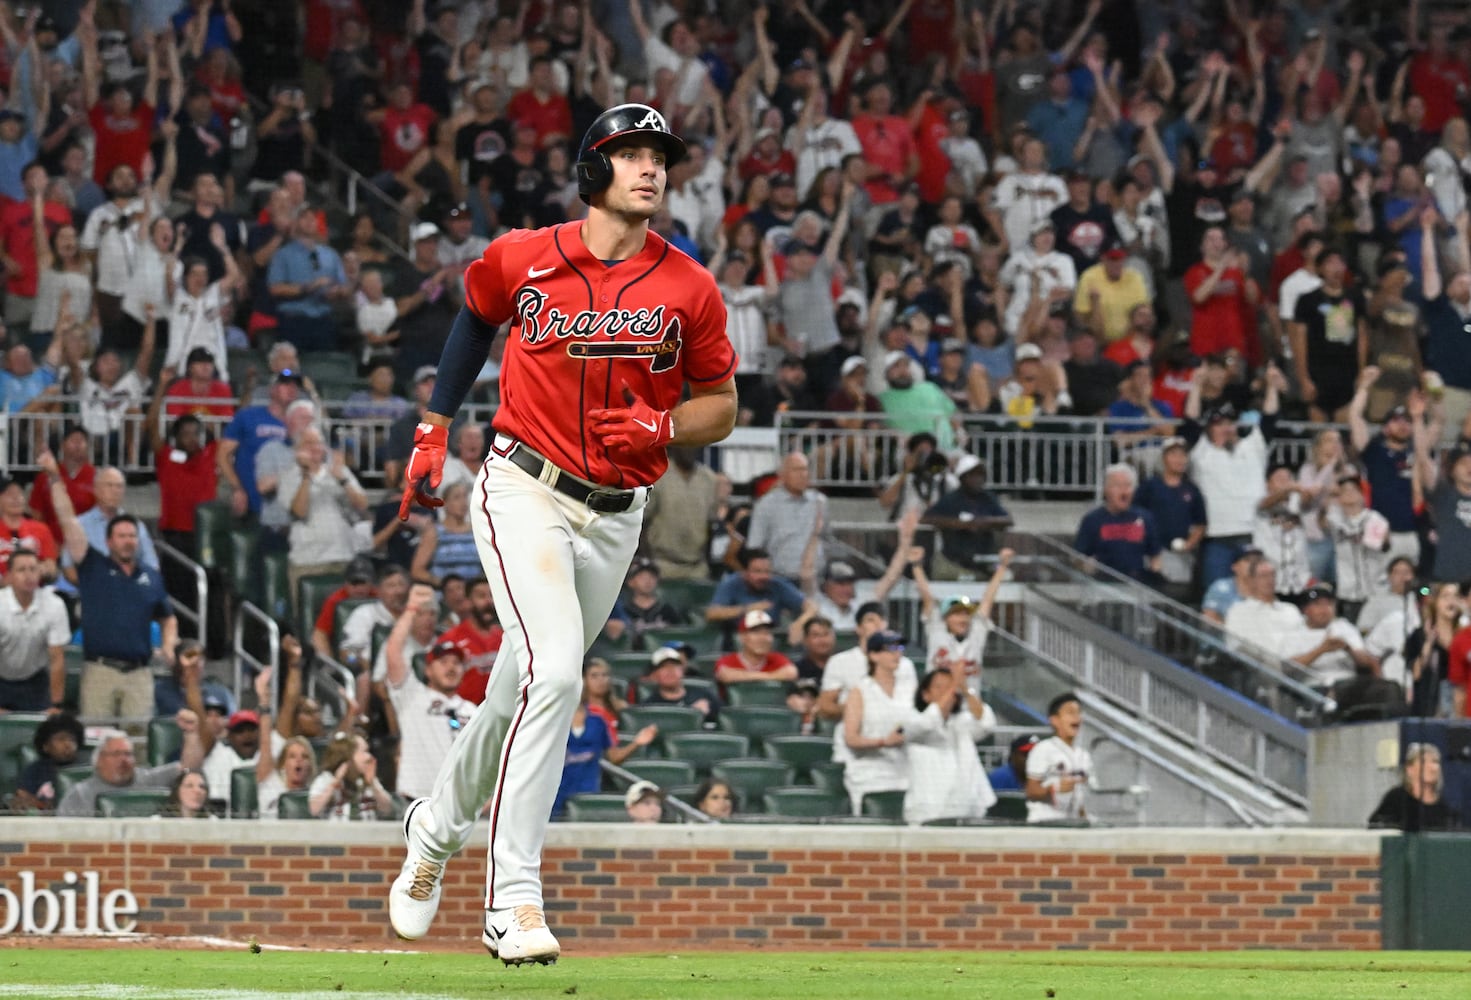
<point>760,722</point>
<point>69,777</point>
<point>757,694</point>
<point>275,586</point>
<point>164,740</point>
<point>17,729</point>
<point>801,752</point>
<point>628,667</point>
<point>294,805</point>
<point>244,580</point>
<point>690,596</point>
<point>685,793</point>
<point>74,660</point>
<point>311,593</point>
<point>244,801</point>
<point>705,638</point>
<point>133,803</point>
<point>751,778</point>
<point>1009,806</point>
<point>670,719</point>
<point>664,773</point>
<point>703,750</point>
<point>212,535</point>
<point>884,805</point>
<point>805,802</point>
<point>596,808</point>
<point>827,775</point>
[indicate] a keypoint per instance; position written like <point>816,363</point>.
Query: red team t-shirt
<point>480,651</point>
<point>580,329</point>
<point>120,138</point>
<point>30,535</point>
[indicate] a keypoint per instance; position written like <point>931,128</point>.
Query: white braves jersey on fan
<point>846,670</point>
<point>1049,762</point>
<point>427,724</point>
<point>948,652</point>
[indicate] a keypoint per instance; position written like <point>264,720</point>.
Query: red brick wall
<point>618,888</point>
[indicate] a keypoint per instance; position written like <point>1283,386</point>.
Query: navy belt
<point>118,664</point>
<point>599,499</point>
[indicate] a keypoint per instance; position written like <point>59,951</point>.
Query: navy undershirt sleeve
<point>464,355</point>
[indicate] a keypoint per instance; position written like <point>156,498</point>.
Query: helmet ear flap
<point>594,173</point>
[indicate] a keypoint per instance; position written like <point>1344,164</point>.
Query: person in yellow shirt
<point>1107,292</point>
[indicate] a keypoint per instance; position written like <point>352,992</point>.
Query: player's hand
<point>426,466</point>
<point>632,428</point>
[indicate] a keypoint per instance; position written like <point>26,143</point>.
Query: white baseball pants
<point>555,569</point>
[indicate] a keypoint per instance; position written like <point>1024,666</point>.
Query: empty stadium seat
<point>759,723</point>
<point>664,773</point>
<point>884,805</point>
<point>801,752</point>
<point>751,777</point>
<point>704,638</point>
<point>828,775</point>
<point>596,808</point>
<point>244,579</point>
<point>670,719</point>
<point>212,535</point>
<point>702,750</point>
<point>757,694</point>
<point>17,729</point>
<point>165,740</point>
<point>244,802</point>
<point>805,802</point>
<point>1009,806</point>
<point>294,805</point>
<point>311,593</point>
<point>134,802</point>
<point>275,588</point>
<point>690,596</point>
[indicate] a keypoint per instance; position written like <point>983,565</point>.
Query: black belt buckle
<point>609,501</point>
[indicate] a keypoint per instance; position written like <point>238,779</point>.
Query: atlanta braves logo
<point>531,304</point>
<point>652,120</point>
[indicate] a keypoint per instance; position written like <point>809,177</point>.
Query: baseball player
<point>609,324</point>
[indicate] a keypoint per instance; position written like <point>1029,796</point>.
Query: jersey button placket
<point>606,278</point>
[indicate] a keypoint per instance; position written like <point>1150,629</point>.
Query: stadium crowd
<point>1194,221</point>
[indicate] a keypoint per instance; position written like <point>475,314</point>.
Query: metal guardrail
<point>1060,457</point>
<point>249,615</point>
<point>198,615</point>
<point>689,812</point>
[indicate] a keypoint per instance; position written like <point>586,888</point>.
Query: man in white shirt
<point>1305,279</point>
<point>112,236</point>
<point>819,141</point>
<point>355,647</point>
<point>34,631</point>
<point>694,194</point>
<point>845,670</point>
<point>678,50</point>
<point>1025,198</point>
<point>240,747</point>
<point>835,596</point>
<point>430,712</point>
<point>1259,620</point>
<point>1058,768</point>
<point>1327,646</point>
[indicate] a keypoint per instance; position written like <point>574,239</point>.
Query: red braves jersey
<point>580,329</point>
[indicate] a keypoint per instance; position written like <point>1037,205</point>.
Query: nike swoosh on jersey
<point>533,272</point>
<point>652,426</point>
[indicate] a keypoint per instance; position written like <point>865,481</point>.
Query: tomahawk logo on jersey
<point>580,330</point>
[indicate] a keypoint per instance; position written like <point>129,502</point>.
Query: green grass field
<point>137,974</point>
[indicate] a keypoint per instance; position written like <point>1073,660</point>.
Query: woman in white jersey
<point>957,636</point>
<point>945,774</point>
<point>874,719</point>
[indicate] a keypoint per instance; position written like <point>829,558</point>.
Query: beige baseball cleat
<point>520,935</point>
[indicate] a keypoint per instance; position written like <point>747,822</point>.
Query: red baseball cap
<point>245,717</point>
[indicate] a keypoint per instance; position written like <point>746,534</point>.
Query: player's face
<point>639,176</point>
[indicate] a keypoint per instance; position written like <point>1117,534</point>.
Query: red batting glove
<point>425,464</point>
<point>635,428</point>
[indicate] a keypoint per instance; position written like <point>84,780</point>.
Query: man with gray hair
<point>1119,535</point>
<point>283,357</point>
<point>271,462</point>
<point>790,522</point>
<point>109,487</point>
<point>115,767</point>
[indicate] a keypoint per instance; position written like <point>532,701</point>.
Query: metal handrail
<point>200,617</point>
<point>1100,707</point>
<point>338,693</point>
<point>243,656</point>
<point>686,810</point>
<point>1277,670</point>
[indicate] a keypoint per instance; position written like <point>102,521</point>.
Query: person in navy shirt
<point>757,588</point>
<point>247,433</point>
<point>1012,775</point>
<point>1388,459</point>
<point>1119,535</point>
<point>1179,514</point>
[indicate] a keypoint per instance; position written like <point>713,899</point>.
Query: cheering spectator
<point>1427,652</point>
<point>197,320</point>
<point>479,638</point>
<point>464,465</point>
<point>292,769</point>
<point>1278,530</point>
<point>1178,508</point>
<point>430,712</point>
<point>1389,459</point>
<point>1058,768</point>
<point>1036,276</point>
<point>250,429</point>
<point>1448,494</point>
<point>968,519</point>
<point>1026,198</point>
<point>1395,595</point>
<point>1447,314</point>
<point>347,786</point>
<point>34,631</point>
<point>1223,297</point>
<point>77,473</point>
<point>1108,293</point>
<point>320,496</point>
<point>945,775</point>
<point>1330,340</point>
<point>1360,537</point>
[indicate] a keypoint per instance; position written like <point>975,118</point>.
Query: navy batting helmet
<point>594,170</point>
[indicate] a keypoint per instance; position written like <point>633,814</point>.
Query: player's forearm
<point>464,354</point>
<point>705,419</point>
